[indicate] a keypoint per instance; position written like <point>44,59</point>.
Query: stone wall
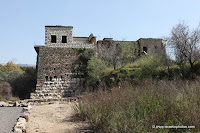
<point>59,72</point>
<point>154,46</point>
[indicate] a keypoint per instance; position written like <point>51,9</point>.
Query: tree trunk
<point>191,64</point>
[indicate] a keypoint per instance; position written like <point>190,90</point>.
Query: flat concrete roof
<point>58,26</point>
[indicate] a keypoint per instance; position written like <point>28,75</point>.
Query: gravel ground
<point>55,118</point>
<point>8,118</point>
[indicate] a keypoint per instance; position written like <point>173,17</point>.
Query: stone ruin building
<point>60,71</point>
<point>145,45</point>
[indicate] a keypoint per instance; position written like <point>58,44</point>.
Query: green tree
<point>13,75</point>
<point>95,67</point>
<point>128,52</point>
<point>9,67</point>
<point>24,84</point>
<point>3,75</point>
<point>186,43</point>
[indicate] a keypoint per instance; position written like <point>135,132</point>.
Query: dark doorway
<point>145,49</point>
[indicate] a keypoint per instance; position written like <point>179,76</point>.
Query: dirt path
<point>55,118</point>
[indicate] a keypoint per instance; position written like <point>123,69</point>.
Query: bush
<point>13,75</point>
<point>147,66</point>
<point>128,52</point>
<point>95,68</point>
<point>3,75</point>
<point>24,84</point>
<point>5,90</point>
<point>137,108</point>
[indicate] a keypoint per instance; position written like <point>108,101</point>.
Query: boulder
<point>16,104</point>
<point>20,125</point>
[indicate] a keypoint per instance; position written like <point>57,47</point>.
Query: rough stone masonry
<point>60,69</point>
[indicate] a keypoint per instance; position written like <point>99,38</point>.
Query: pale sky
<point>22,21</point>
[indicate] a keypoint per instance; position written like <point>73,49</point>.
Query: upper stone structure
<point>152,45</point>
<point>61,36</point>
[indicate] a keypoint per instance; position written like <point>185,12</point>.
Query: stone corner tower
<point>58,63</point>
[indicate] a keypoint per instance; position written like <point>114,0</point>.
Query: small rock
<point>3,104</point>
<point>24,105</point>
<point>16,104</point>
<point>27,108</point>
<point>10,105</point>
<point>17,130</point>
<point>20,125</point>
<point>22,120</point>
<point>25,115</point>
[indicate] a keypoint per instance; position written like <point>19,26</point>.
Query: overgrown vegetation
<point>152,90</point>
<point>136,108</point>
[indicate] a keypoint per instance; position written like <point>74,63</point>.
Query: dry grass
<point>137,108</point>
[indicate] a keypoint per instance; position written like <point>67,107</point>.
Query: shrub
<point>3,75</point>
<point>5,90</point>
<point>13,75</point>
<point>128,52</point>
<point>136,108</point>
<point>95,67</point>
<point>147,66</point>
<point>24,84</point>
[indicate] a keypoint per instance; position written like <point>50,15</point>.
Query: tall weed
<point>136,108</point>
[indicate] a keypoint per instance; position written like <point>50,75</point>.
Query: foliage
<point>137,108</point>
<point>150,66</point>
<point>95,66</point>
<point>79,50</point>
<point>13,75</point>
<point>16,81</point>
<point>3,75</point>
<point>5,90</point>
<point>128,52</point>
<point>147,66</point>
<point>24,84</point>
<point>117,54</point>
<point>9,67</point>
